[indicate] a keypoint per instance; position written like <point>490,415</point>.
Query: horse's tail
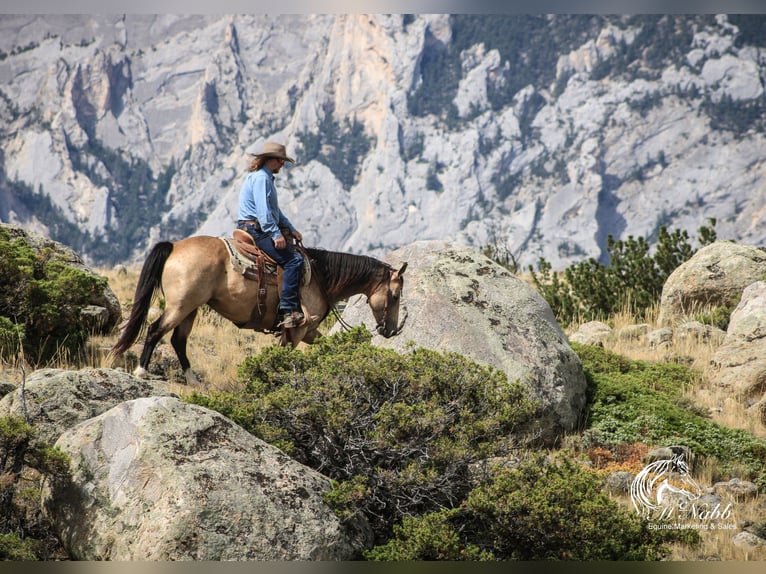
<point>148,283</point>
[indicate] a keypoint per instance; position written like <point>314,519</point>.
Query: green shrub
<point>25,532</point>
<point>433,536</point>
<point>396,432</point>
<point>637,401</point>
<point>718,316</point>
<point>14,547</point>
<point>632,280</point>
<point>539,510</point>
<point>40,302</point>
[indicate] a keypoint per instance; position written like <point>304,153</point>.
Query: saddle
<point>256,265</point>
<point>260,262</point>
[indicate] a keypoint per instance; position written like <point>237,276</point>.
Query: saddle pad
<point>242,263</point>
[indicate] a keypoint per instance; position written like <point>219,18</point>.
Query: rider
<point>260,216</point>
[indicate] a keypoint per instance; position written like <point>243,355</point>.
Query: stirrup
<point>292,319</point>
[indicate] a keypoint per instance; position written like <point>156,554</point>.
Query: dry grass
<point>217,347</point>
<point>724,409</point>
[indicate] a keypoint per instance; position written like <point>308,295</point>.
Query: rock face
<point>550,167</point>
<point>55,400</point>
<point>158,479</point>
<point>714,276</point>
<point>740,362</point>
<point>457,299</point>
<point>104,312</point>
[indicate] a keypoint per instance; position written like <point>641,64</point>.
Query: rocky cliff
<point>541,135</point>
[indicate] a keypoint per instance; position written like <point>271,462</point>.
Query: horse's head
<point>384,302</point>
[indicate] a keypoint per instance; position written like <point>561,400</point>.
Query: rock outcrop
<point>158,479</point>
<point>714,276</point>
<point>739,363</point>
<point>547,151</point>
<point>55,400</point>
<point>456,299</point>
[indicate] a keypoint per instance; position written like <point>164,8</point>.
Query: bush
<point>396,432</point>
<point>636,401</point>
<point>40,302</point>
<point>632,280</point>
<point>540,510</point>
<point>25,533</point>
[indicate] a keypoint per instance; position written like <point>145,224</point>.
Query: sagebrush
<point>397,432</point>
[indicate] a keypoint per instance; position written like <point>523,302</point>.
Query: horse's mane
<point>341,271</point>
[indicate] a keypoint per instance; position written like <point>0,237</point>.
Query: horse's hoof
<point>140,372</point>
<point>191,378</point>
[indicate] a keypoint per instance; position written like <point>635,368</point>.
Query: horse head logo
<point>663,484</point>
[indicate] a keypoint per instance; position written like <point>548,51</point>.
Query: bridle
<point>382,323</point>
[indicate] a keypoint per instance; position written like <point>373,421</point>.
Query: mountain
<point>539,135</point>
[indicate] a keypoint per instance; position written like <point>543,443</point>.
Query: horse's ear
<point>402,268</point>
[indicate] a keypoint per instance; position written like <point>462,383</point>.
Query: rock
<point>633,332</point>
<point>591,333</point>
<point>660,338</point>
<point>748,541</point>
<point>699,333</point>
<point>158,479</point>
<point>95,317</point>
<point>738,488</point>
<point>708,501</point>
<point>714,276</point>
<point>104,312</point>
<point>58,399</point>
<point>456,299</point>
<point>739,362</point>
<point>760,409</point>
<point>553,165</point>
<point>619,482</point>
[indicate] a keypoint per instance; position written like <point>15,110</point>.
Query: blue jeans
<point>291,262</point>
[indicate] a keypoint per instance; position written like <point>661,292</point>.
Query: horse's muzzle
<point>388,333</point>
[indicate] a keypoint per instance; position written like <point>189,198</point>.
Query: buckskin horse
<point>203,270</point>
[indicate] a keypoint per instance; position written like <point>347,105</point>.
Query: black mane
<point>341,271</point>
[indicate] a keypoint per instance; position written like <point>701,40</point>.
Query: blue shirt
<point>258,200</point>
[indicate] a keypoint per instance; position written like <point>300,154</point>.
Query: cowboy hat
<point>272,149</point>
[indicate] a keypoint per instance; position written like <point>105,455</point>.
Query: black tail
<point>148,284</point>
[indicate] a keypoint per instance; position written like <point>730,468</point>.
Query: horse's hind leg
<point>178,340</point>
<point>153,336</point>
<point>181,329</point>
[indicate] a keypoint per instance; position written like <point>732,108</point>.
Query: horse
<point>200,270</point>
<point>653,482</point>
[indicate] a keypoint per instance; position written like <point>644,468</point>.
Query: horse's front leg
<point>305,333</point>
<point>292,336</point>
<point>311,336</point>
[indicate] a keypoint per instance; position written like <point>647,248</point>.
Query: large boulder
<point>158,479</point>
<point>713,277</point>
<point>457,299</point>
<point>103,313</point>
<point>739,363</point>
<point>55,400</point>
